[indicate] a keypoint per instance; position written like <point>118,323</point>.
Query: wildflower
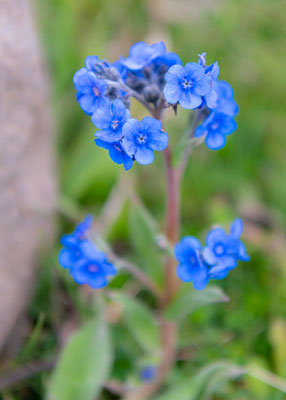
<point>191,268</point>
<point>225,103</point>
<point>187,85</point>
<point>91,90</point>
<point>223,250</point>
<point>140,139</point>
<point>116,153</point>
<point>86,264</point>
<point>110,120</point>
<point>216,127</point>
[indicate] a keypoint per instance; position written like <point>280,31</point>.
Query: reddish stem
<point>172,224</point>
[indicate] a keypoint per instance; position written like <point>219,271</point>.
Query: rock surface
<point>27,180</point>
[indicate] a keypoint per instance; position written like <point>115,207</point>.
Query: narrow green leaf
<point>204,384</point>
<point>83,365</point>
<point>140,322</point>
<point>189,300</point>
<point>144,234</point>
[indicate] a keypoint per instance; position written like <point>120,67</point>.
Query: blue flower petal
<point>144,155</point>
<point>215,141</point>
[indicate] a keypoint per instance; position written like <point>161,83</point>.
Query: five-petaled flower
<point>216,127</point>
<point>86,264</point>
<point>224,250</point>
<point>110,120</point>
<point>191,268</point>
<point>187,85</point>
<point>91,90</point>
<point>140,139</point>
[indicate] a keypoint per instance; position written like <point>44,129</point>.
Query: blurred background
<point>247,178</point>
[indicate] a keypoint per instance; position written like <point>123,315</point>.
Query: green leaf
<point>83,365</point>
<point>205,384</point>
<point>189,300</point>
<point>140,322</point>
<point>144,234</point>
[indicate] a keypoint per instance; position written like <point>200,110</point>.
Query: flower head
<point>85,263</point>
<point>91,90</point>
<point>140,139</point>
<point>110,120</point>
<point>187,85</point>
<point>116,153</point>
<point>223,250</point>
<point>216,127</point>
<point>191,268</point>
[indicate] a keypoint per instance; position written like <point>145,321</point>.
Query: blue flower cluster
<point>215,260</point>
<point>196,86</point>
<point>85,263</point>
<point>104,91</point>
<point>157,79</point>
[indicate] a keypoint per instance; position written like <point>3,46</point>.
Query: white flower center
<point>93,268</point>
<point>141,138</point>
<point>114,124</point>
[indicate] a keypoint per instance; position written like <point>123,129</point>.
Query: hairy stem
<point>172,224</point>
<point>168,328</point>
<point>168,331</point>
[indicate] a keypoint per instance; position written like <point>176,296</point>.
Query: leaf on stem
<point>140,322</point>
<point>189,300</point>
<point>144,236</point>
<point>84,364</point>
<point>205,383</point>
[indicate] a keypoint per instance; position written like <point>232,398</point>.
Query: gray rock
<point>27,179</point>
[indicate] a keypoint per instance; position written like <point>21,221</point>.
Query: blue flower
<point>187,85</point>
<point>148,373</point>
<point>110,120</point>
<point>225,102</point>
<point>141,55</point>
<point>141,138</point>
<point>86,264</point>
<point>223,250</point>
<point>91,90</point>
<point>191,268</point>
<point>116,153</point>
<point>216,126</point>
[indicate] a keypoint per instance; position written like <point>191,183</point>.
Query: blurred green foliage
<point>246,177</point>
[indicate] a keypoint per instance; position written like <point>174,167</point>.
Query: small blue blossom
<point>140,139</point>
<point>187,85</point>
<point>86,264</point>
<point>215,260</point>
<point>110,120</point>
<point>116,153</point>
<point>191,268</point>
<point>225,103</point>
<point>216,127</point>
<point>148,373</point>
<point>91,90</point>
<point>141,55</point>
<point>223,250</point>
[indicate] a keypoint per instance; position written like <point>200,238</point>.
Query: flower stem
<point>172,224</point>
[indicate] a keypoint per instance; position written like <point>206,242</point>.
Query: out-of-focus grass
<point>249,40</point>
